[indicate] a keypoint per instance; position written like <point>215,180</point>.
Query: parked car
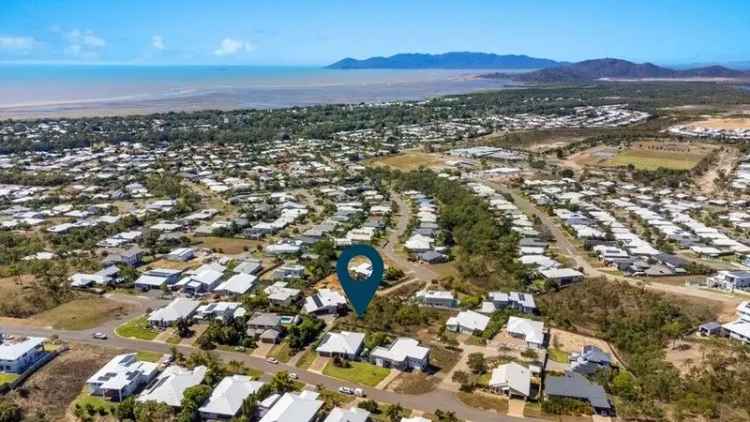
<point>272,360</point>
<point>100,336</point>
<point>293,375</point>
<point>346,390</point>
<point>359,392</point>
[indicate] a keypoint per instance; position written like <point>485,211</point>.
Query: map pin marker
<point>360,292</point>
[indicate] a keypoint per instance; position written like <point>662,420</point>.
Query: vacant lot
<point>227,245</point>
<point>137,328</point>
<point>649,155</point>
<point>724,123</point>
<point>411,161</point>
<point>82,314</point>
<point>358,372</point>
<point>52,389</point>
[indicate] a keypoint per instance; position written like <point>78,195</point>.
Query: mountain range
<point>590,70</point>
<point>454,60</point>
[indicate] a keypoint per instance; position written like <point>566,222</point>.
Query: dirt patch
<point>414,383</point>
<point>173,265</point>
<point>227,245</point>
<point>82,314</point>
<point>723,123</point>
<point>647,155</point>
<point>53,388</point>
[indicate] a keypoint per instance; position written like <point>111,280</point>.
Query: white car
<point>272,360</point>
<point>292,376</point>
<point>100,336</point>
<point>346,390</point>
<point>359,392</point>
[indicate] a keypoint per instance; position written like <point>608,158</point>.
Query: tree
<point>152,411</point>
<point>281,383</point>
<point>394,412</point>
<point>477,363</point>
<point>192,399</point>
<point>183,328</point>
<point>125,410</point>
<point>443,416</point>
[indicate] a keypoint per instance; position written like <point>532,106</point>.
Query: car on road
<point>293,375</point>
<point>99,336</point>
<point>346,390</point>
<point>272,360</point>
<point>359,392</point>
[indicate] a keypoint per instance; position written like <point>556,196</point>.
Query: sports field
<point>410,161</point>
<point>652,160</point>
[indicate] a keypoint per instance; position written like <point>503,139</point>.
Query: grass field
<point>724,123</point>
<point>137,328</point>
<point>558,355</point>
<point>100,405</point>
<point>410,161</point>
<point>81,314</point>
<point>148,356</point>
<point>415,383</point>
<point>652,160</point>
<point>359,372</point>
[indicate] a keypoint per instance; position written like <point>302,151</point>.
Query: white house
<point>404,353</point>
<point>355,414</point>
<point>440,298</point>
<point>17,353</point>
<point>511,379</point>
<point>156,278</point>
<point>294,407</point>
<point>279,294</point>
<point>561,276</point>
<point>739,329</point>
<point>170,385</point>
<point>468,322</point>
<point>325,301</point>
<point>180,308</point>
<point>237,284</point>
<point>121,377</point>
<point>531,331</point>
<point>226,399</point>
<point>344,344</point>
<point>181,254</point>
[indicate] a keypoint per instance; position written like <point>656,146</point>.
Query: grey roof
<point>575,385</point>
<point>354,414</point>
<point>597,355</point>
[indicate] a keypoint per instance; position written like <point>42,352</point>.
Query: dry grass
<point>229,246</point>
<point>568,342</point>
<point>54,387</point>
<point>484,401</point>
<point>173,265</point>
<point>410,161</point>
<point>82,314</point>
<point>414,383</point>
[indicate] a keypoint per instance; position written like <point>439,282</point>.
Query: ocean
<point>35,91</point>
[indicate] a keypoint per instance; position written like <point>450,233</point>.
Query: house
<point>468,322</point>
<point>419,243</point>
<point>18,353</point>
<point>432,257</point>
<point>180,308</point>
<point>355,414</point>
<point>227,398</point>
<point>523,302</point>
<point>512,379</point>
<point>573,385</point>
<point>404,353</point>
<point>589,360</point>
<point>344,344</point>
<point>131,257</point>
<point>710,329</point>
<point>531,331</point>
<point>740,328</point>
<point>279,294</point>
<point>181,254</point>
<point>325,301</point>
<point>730,280</point>
<point>121,377</point>
<point>237,284</point>
<point>415,419</point>
<point>439,298</point>
<point>104,277</point>
<point>265,326</point>
<point>248,267</point>
<point>561,276</point>
<point>157,278</point>
<point>170,385</point>
<point>286,272</point>
<point>222,311</point>
<point>294,407</point>
<point>204,279</point>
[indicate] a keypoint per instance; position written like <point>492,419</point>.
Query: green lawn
<point>282,352</point>
<point>558,355</point>
<point>85,399</point>
<point>306,359</point>
<point>359,372</point>
<point>148,356</point>
<point>6,377</point>
<point>137,328</point>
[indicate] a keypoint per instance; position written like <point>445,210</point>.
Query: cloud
<point>231,47</point>
<point>14,43</point>
<point>158,42</point>
<point>83,44</point>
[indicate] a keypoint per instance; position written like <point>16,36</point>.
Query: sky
<point>306,32</point>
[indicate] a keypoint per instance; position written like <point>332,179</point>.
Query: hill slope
<point>608,68</point>
<point>454,60</point>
